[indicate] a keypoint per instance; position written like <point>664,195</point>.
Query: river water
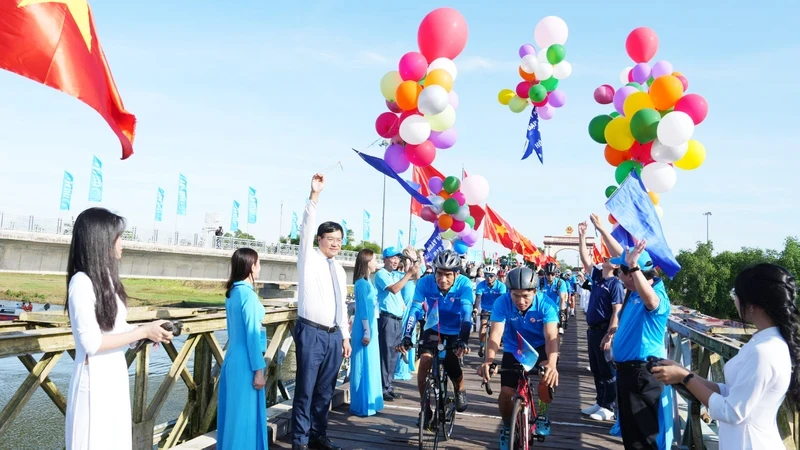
<point>40,425</point>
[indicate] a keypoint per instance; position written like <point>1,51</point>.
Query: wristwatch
<point>634,269</point>
<point>687,378</point>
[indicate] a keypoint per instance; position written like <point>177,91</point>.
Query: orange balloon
<point>443,194</point>
<point>440,77</point>
<point>665,91</point>
<point>612,219</point>
<point>407,94</point>
<point>654,197</point>
<point>526,76</point>
<point>445,222</point>
<point>614,156</point>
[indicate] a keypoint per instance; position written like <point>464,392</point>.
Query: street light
<point>708,215</point>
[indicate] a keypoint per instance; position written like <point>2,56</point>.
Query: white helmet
<point>490,270</point>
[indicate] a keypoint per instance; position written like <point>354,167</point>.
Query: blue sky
<point>263,94</point>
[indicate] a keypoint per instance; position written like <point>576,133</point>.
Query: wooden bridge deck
<point>479,426</point>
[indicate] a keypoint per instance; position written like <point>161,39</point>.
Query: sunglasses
<point>490,275</point>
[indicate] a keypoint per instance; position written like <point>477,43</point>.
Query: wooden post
<point>142,428</point>
<point>204,385</point>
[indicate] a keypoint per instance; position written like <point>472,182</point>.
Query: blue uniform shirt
<point>489,294</point>
<point>529,324</point>
<point>553,291</point>
<point>455,307</point>
<point>641,332</point>
<point>605,292</point>
<point>387,301</point>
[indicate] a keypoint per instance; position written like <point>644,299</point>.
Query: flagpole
<point>280,224</point>
<point>410,208</point>
<point>383,212</point>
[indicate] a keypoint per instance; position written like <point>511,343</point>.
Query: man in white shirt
<point>321,335</point>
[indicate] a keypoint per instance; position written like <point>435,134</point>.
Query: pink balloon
<point>466,231</point>
<point>428,215</point>
<point>471,238</point>
<point>684,82</point>
<point>642,44</point>
<point>421,155</point>
<point>523,87</point>
<point>457,226</point>
<point>695,106</point>
<point>392,106</point>
<point>459,197</point>
<point>557,98</point>
<point>546,112</point>
<point>444,139</point>
<point>453,97</point>
<point>413,66</point>
<point>442,34</point>
<point>387,125</point>
<point>604,94</point>
<point>395,157</point>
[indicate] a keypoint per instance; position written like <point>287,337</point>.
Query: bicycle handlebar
<point>493,368</point>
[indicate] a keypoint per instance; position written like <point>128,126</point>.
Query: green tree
<point>239,234</point>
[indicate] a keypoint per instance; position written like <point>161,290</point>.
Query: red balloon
<point>405,114</point>
<point>642,44</point>
<point>457,226</point>
<point>392,106</point>
<point>387,125</point>
<point>442,34</point>
<point>413,66</point>
<point>428,215</point>
<point>684,82</point>
<point>543,102</point>
<point>523,87</point>
<point>630,76</point>
<point>694,105</point>
<point>614,156</point>
<point>641,152</point>
<point>421,155</point>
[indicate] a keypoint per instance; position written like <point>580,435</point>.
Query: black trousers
<point>390,331</point>
<point>638,394</point>
<point>602,370</point>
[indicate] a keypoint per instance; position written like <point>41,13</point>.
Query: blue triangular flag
<point>525,354</point>
<point>381,166</point>
<point>533,139</point>
<point>434,245</point>
<point>433,316</point>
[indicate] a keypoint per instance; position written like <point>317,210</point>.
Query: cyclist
<point>486,293</point>
<point>555,289</point>
<point>522,313</point>
<point>451,294</point>
<point>567,277</point>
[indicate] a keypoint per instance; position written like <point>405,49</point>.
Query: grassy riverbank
<point>141,292</point>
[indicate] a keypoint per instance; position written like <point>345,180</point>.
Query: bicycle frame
<point>444,411</point>
<point>524,394</point>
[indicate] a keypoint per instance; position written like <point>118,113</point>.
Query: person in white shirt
<point>322,334</point>
<point>763,373</point>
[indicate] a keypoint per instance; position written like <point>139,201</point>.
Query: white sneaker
<point>560,331</point>
<point>602,415</point>
<point>590,410</point>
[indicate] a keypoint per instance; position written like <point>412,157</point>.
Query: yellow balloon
<point>517,104</point>
<point>694,156</point>
<point>389,84</point>
<point>505,96</point>
<point>618,133</point>
<point>440,77</point>
<point>635,102</point>
<point>654,197</point>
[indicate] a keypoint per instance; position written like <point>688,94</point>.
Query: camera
<point>176,327</point>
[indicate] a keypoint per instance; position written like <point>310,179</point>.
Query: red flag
<point>421,176</point>
<point>501,232</point>
<point>55,43</point>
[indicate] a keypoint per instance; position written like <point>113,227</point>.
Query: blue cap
<point>388,252</point>
<point>645,262</point>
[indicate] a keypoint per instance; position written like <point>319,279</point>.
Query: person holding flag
<point>449,297</point>
<point>527,323</point>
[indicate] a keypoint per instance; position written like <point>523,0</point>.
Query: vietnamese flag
<point>501,232</point>
<point>55,43</point>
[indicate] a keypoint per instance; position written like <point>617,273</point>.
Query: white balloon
<point>544,71</point>
<point>447,245</point>
<point>433,100</point>
<point>659,177</point>
<point>462,213</point>
<point>415,130</point>
<point>475,189</point>
<point>551,30</point>
<point>439,122</point>
<point>436,203</point>
<point>666,154</point>
<point>446,64</point>
<point>529,63</point>
<point>659,211</point>
<point>562,70</point>
<point>623,76</point>
<point>542,56</point>
<point>676,128</point>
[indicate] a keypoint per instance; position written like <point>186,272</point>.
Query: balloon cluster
<point>651,130</point>
<point>449,209</point>
<point>419,95</point>
<point>541,72</point>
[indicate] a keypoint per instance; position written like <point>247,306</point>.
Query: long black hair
<point>242,262</point>
<point>362,264</point>
<point>94,236</point>
<point>774,289</point>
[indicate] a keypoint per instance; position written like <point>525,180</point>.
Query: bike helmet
<point>447,260</point>
<point>551,267</point>
<point>490,270</point>
<point>522,278</point>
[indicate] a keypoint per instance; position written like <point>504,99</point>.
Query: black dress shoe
<point>395,394</point>
<point>387,397</point>
<point>322,443</point>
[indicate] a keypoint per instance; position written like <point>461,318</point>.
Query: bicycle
<point>485,341</point>
<point>438,397</point>
<point>524,417</point>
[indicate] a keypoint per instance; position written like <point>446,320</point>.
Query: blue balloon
<point>460,247</point>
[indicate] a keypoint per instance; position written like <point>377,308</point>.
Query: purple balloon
<point>661,68</point>
<point>557,99</point>
<point>546,111</point>
<point>470,239</point>
<point>453,98</point>
<point>604,94</point>
<point>395,157</point>
<point>435,184</point>
<point>444,139</point>
<point>392,106</point>
<point>621,95</point>
<point>526,49</point>
<point>641,72</point>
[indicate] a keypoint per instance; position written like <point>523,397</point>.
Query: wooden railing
<point>712,342</point>
<point>49,333</point>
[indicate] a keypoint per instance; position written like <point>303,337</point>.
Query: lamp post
<point>708,216</point>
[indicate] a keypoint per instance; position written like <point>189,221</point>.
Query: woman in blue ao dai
<point>366,391</point>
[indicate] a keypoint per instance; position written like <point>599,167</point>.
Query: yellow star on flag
<point>500,229</point>
<point>78,9</point>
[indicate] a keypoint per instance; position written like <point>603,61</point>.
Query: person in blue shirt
<point>404,368</point>
<point>523,318</point>
<point>640,334</point>
<point>555,289</point>
<point>390,282</point>
<point>605,302</point>
<point>366,388</point>
<point>486,293</point>
<point>447,295</point>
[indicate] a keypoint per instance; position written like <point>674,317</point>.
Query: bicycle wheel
<point>449,408</point>
<point>520,428</point>
<point>429,436</point>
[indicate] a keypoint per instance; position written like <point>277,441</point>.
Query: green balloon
<point>614,115</point>
<point>517,104</point>
<point>664,113</point>
<point>537,93</point>
<point>422,82</point>
<point>610,191</point>
<point>597,128</point>
<point>451,184</point>
<point>636,85</point>
<point>644,124</point>
<point>550,84</point>
<point>650,81</point>
<point>450,206</point>
<point>470,221</point>
<point>556,53</point>
<point>625,168</point>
